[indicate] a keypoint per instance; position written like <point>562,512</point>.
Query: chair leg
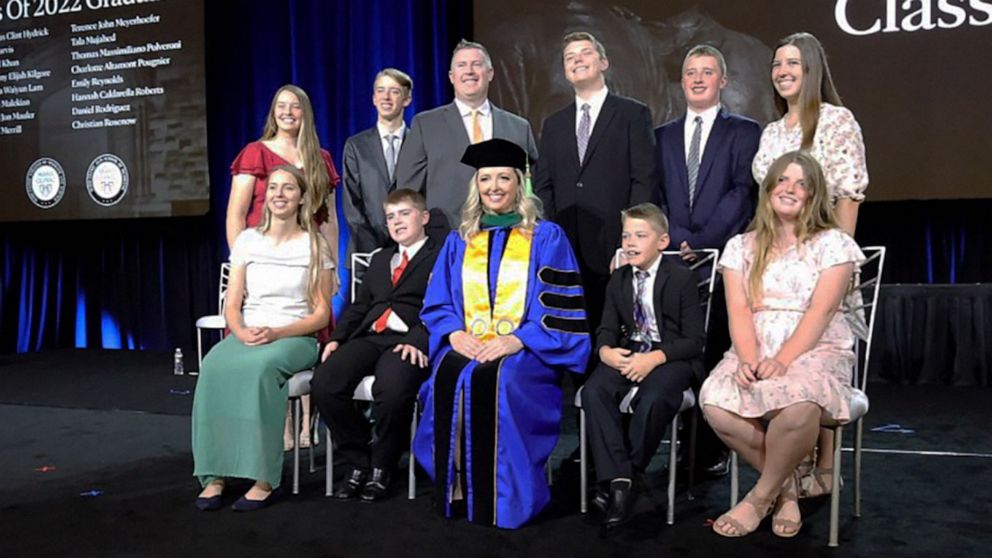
<point>672,465</point>
<point>835,488</point>
<point>692,452</point>
<point>583,474</point>
<point>199,350</point>
<point>329,468</point>
<point>734,480</point>
<point>314,418</point>
<point>297,406</point>
<point>411,476</point>
<point>859,429</point>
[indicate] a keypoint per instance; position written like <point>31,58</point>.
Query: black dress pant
<point>394,392</point>
<point>617,454</point>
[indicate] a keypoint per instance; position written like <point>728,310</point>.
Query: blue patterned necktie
<point>585,126</point>
<point>692,163</point>
<point>641,339</point>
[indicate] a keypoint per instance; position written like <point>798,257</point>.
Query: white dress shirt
<point>709,116</point>
<point>485,119</point>
<point>595,106</point>
<point>647,297</point>
<point>384,134</point>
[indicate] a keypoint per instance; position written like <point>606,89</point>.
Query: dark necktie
<point>692,163</point>
<point>380,324</point>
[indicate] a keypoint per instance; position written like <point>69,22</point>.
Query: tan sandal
<point>816,483</point>
<point>760,506</point>
<point>787,528</point>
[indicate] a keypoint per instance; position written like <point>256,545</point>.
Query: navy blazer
<point>676,308</point>
<point>725,190</point>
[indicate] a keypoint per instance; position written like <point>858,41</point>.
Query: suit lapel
<point>373,143</point>
<point>571,141</point>
<point>678,151</point>
<point>713,145</point>
<point>457,127</point>
<point>627,298</point>
<point>659,286</point>
<point>606,114</point>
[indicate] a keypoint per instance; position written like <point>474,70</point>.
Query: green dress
<point>239,407</point>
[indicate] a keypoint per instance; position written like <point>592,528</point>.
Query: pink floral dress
<point>837,145</point>
<point>823,374</point>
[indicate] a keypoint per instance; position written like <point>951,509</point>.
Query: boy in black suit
<point>381,332</point>
<point>651,336</point>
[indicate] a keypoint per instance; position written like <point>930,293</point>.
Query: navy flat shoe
<point>208,504</point>
<point>245,505</point>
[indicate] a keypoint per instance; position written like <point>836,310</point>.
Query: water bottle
<point>177,367</point>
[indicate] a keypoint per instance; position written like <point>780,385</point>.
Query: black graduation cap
<point>495,153</point>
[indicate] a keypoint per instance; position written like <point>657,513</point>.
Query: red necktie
<point>380,324</point>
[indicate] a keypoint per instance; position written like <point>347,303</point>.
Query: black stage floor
<point>95,454</point>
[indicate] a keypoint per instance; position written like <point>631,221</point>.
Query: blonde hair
<point>816,215</point>
<point>647,212</point>
<point>308,147</point>
<point>527,206</point>
<point>817,85</point>
<point>318,246</point>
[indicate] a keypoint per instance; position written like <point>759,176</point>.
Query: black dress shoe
<point>622,499</point>
<point>351,486</point>
<point>208,504</point>
<point>601,499</point>
<point>719,468</point>
<point>377,487</point>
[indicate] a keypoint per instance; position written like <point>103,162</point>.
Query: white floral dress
<point>837,145</point>
<point>821,375</point>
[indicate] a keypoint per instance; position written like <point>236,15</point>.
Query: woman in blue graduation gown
<point>506,318</point>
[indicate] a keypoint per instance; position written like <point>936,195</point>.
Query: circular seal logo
<point>107,179</point>
<point>504,327</point>
<point>45,183</point>
<point>478,327</point>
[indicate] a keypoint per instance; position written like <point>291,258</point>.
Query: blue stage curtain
<point>140,284</point>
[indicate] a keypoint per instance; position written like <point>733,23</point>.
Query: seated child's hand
<point>615,357</point>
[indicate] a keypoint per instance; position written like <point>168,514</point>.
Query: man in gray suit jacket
<point>430,161</point>
<point>370,160</point>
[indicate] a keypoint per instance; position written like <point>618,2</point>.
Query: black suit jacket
<point>725,189</point>
<point>586,197</point>
<point>377,293</point>
<point>676,308</point>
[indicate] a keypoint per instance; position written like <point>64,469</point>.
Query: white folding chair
<point>359,264</point>
<point>216,321</point>
<point>706,257</point>
<point>868,280</point>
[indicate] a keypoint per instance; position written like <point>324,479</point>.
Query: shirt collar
<point>466,110</point>
<point>411,251</point>
<point>383,131</point>
<point>653,270</point>
<point>595,101</point>
<point>709,115</point>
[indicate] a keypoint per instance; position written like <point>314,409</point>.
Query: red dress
<point>258,160</point>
